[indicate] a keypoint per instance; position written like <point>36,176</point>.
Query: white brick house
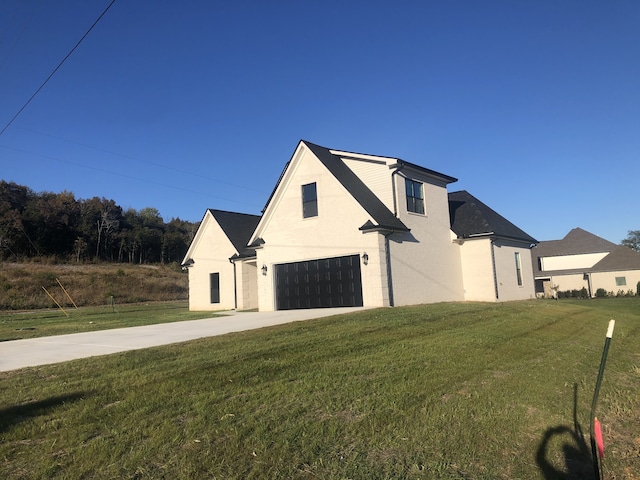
<point>347,229</point>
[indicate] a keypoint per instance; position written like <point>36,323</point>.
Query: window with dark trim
<point>309,200</point>
<point>214,283</point>
<point>518,269</point>
<point>621,281</point>
<point>415,196</point>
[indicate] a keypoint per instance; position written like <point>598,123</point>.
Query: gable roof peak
<point>587,239</point>
<point>238,227</point>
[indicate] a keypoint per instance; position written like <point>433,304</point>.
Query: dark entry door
<point>324,283</point>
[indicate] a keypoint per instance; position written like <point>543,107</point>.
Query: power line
<point>130,177</point>
<point>147,162</point>
<point>57,68</point>
<point>17,40</point>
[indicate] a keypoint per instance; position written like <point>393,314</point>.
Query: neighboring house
<point>348,229</point>
<point>584,260</point>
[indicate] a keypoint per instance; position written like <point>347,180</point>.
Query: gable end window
<point>214,285</point>
<point>518,269</point>
<point>309,200</point>
<point>415,196</point>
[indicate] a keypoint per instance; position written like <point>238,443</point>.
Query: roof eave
<point>440,177</point>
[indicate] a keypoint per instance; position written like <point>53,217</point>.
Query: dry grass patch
<point>88,284</point>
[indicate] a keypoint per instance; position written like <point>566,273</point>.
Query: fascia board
<point>197,239</point>
<point>198,236</point>
<point>422,173</point>
<point>362,156</point>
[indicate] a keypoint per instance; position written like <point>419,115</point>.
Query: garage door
<point>324,283</point>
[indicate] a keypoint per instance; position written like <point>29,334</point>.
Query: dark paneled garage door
<point>329,282</point>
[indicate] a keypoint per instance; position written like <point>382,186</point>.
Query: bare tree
<point>106,224</point>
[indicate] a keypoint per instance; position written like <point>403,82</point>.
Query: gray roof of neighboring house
<point>579,241</point>
<point>238,227</point>
<point>576,242</point>
<point>621,258</point>
<point>471,218</point>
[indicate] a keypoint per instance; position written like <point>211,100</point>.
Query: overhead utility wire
<point>17,40</point>
<point>135,159</point>
<point>131,177</point>
<point>57,68</point>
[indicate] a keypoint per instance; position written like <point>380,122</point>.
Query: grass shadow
<point>11,416</point>
<point>576,453</point>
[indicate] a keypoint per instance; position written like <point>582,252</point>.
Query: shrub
<point>601,293</point>
<point>582,293</point>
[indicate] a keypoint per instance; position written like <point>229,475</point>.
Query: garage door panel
<point>328,282</point>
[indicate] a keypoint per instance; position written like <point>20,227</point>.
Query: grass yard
<point>450,391</point>
<point>42,323</point>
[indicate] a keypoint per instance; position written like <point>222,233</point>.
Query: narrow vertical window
<point>214,281</point>
<point>309,200</point>
<point>415,196</point>
<point>518,269</point>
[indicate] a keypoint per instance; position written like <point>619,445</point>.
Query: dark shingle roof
<point>580,242</point>
<point>238,227</point>
<point>577,241</point>
<point>620,258</point>
<point>470,217</point>
<point>366,198</point>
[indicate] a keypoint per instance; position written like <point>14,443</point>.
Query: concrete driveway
<point>47,350</point>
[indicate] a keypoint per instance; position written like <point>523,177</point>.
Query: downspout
<point>387,250</point>
<point>387,254</point>
<point>393,187</point>
<point>235,285</point>
<point>495,273</point>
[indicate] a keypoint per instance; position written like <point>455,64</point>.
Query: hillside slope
<point>21,284</point>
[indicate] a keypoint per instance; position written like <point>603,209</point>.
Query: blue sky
<point>184,106</point>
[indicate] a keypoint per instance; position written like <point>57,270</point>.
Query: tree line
<point>59,225</point>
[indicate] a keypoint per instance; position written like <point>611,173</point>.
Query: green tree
<point>52,221</point>
<point>633,240</point>
<point>14,238</point>
<point>150,235</point>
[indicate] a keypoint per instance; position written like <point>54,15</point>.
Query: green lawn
<point>466,391</point>
<point>41,323</point>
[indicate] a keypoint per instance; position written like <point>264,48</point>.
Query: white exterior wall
<point>211,252</point>
<point>607,280</point>
<point>570,262</point>
<point>375,174</point>
<point>334,232</point>
<point>425,263</point>
<point>507,280</point>
<point>477,270</point>
<point>247,281</point>
<point>574,281</point>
